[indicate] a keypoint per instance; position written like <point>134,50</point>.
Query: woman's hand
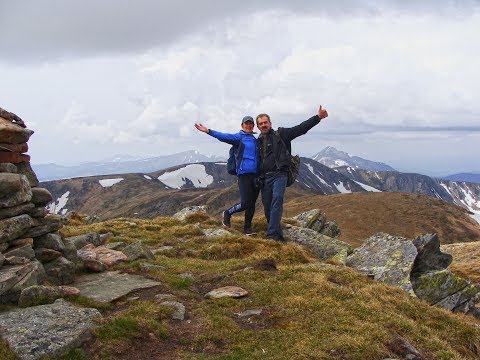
<point>201,128</point>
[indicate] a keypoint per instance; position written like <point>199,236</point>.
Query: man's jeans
<point>272,197</point>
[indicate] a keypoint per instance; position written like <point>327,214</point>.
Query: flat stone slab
<point>46,330</point>
<point>227,291</point>
<point>111,285</point>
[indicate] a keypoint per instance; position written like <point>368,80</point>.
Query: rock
<point>106,256</point>
<point>4,246</point>
<point>186,275</point>
<point>15,260</point>
<point>16,210</point>
<point>93,219</point>
<point>15,227</point>
<point>20,148</point>
<point>36,276</point>
<point>81,240</point>
<point>25,168</point>
<point>62,327</point>
<point>312,219</point>
<point>89,259</point>
<point>13,157</point>
<point>164,296</point>
<point>323,247</point>
<point>48,224</point>
<point>25,251</point>
<point>162,249</point>
<point>45,255</point>
<point>330,229</point>
<point>138,250</point>
<point>11,275</point>
<point>41,196</point>
<point>115,245</point>
<point>12,133</point>
<point>179,313</point>
<point>39,295</point>
<point>105,237</point>
<point>8,168</point>
<point>111,285</point>
<point>38,212</point>
<point>388,258</point>
<point>60,271</point>
<point>18,242</point>
<point>70,253</point>
<point>49,241</point>
<point>429,255</point>
<point>2,259</point>
<point>147,267</point>
<point>401,346</point>
<point>185,212</point>
<point>215,232</point>
<point>248,313</point>
<point>227,291</point>
<point>14,190</point>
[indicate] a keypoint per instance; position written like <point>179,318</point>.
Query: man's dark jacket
<point>277,151</point>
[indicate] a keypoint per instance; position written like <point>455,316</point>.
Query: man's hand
<point>201,128</point>
<point>322,113</point>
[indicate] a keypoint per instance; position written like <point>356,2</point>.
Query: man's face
<point>248,127</point>
<point>264,125</point>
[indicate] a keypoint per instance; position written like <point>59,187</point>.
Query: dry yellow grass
<point>466,259</point>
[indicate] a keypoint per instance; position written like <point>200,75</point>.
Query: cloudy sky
<point>95,78</point>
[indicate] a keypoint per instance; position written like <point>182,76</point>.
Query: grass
<point>309,311</point>
<point>466,259</point>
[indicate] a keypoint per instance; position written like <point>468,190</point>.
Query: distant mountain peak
<point>334,158</point>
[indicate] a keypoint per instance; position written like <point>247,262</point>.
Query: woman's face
<point>248,127</point>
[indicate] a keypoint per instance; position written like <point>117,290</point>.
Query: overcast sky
<point>95,78</point>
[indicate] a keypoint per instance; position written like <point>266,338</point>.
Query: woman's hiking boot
<point>226,218</point>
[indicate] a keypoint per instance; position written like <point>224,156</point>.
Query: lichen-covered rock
<point>429,256</point>
<point>62,327</point>
<point>323,247</point>
<point>14,190</point>
<point>45,255</point>
<point>25,251</point>
<point>13,133</point>
<point>15,227</point>
<point>8,168</point>
<point>41,196</point>
<point>81,241</point>
<point>60,271</point>
<point>35,276</point>
<point>330,229</point>
<point>48,224</point>
<point>90,255</point>
<point>25,168</point>
<point>11,275</point>
<point>227,291</point>
<point>387,258</point>
<point>38,212</point>
<point>182,214</point>
<point>16,210</point>
<point>313,219</point>
<point>138,250</point>
<point>49,241</point>
<point>215,232</point>
<point>179,309</point>
<point>41,294</point>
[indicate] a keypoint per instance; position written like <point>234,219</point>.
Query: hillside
<point>361,214</point>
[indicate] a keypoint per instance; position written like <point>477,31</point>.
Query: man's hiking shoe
<point>249,232</point>
<point>226,218</point>
<point>280,239</point>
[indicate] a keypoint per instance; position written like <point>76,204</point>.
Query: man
<point>274,149</point>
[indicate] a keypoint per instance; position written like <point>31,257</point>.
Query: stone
<point>13,157</point>
<point>312,219</point>
<point>138,250</point>
<point>15,227</point>
<point>179,313</point>
<point>186,275</point>
<point>16,210</point>
<point>81,241</point>
<point>93,219</point>
<point>227,291</point>
<point>387,258</point>
<point>401,346</point>
<point>13,133</point>
<point>25,168</point>
<point>62,328</point>
<point>162,249</point>
<point>111,285</point>
<point>106,256</point>
<point>43,226</point>
<point>49,241</point>
<point>323,247</point>
<point>14,190</point>
<point>60,271</point>
<point>215,232</point>
<point>45,255</point>
<point>38,212</point>
<point>159,297</point>
<point>10,275</point>
<point>8,168</point>
<point>147,267</point>
<point>330,229</point>
<point>2,259</point>
<point>190,210</point>
<point>25,251</point>
<point>248,313</point>
<point>41,196</point>
<point>36,276</point>
<point>39,295</point>
<point>18,242</point>
<point>15,260</point>
<point>115,245</point>
<point>429,255</point>
<point>70,253</point>
<point>105,237</point>
<point>90,261</point>
<point>20,148</point>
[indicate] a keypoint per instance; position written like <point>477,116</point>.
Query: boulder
<point>190,210</point>
<point>41,196</point>
<point>25,168</point>
<point>330,229</point>
<point>12,133</point>
<point>49,241</point>
<point>70,253</point>
<point>323,247</point>
<point>2,259</point>
<point>429,256</point>
<point>15,260</point>
<point>227,291</point>
<point>89,259</point>
<point>11,275</point>
<point>215,232</point>
<point>14,190</point>
<point>15,227</point>
<point>179,309</point>
<point>41,294</point>
<point>20,148</point>
<point>60,271</point>
<point>48,224</point>
<point>312,219</point>
<point>62,328</point>
<point>13,157</point>
<point>38,212</point>
<point>18,242</point>
<point>387,258</point>
<point>16,210</point>
<point>103,254</point>
<point>25,251</point>
<point>45,255</point>
<point>81,241</point>
<point>8,168</point>
<point>138,250</point>
<point>105,237</point>
<point>116,245</point>
<point>35,276</point>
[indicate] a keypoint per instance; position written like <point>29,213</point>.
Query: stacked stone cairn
<point>32,250</point>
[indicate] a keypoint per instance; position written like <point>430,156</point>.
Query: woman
<point>246,170</point>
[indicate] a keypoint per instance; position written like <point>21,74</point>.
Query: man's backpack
<point>233,162</point>
<point>294,167</point>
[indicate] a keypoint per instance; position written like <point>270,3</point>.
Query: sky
<point>96,78</point>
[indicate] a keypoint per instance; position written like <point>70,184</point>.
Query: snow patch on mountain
<point>109,182</point>
<point>147,177</point>
<point>57,206</point>
<point>341,188</point>
<point>310,167</point>
<point>367,187</point>
<point>196,173</point>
